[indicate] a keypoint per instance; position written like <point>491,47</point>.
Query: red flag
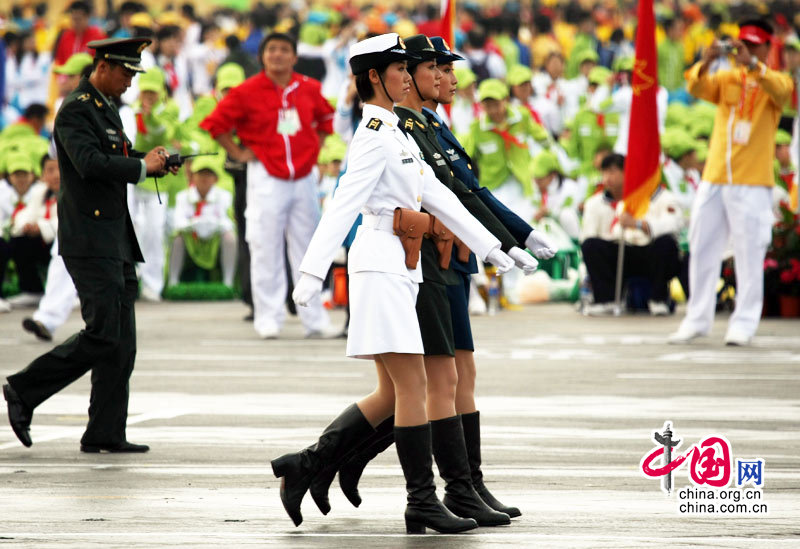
<point>447,30</point>
<point>642,170</point>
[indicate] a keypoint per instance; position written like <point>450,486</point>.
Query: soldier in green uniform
<point>99,246</point>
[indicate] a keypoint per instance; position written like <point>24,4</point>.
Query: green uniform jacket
<point>416,125</point>
<point>93,217</point>
<point>498,160</point>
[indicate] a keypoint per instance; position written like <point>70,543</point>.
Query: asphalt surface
<point>568,403</point>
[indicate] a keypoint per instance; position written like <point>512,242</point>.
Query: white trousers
<point>149,221</point>
<point>280,213</point>
<point>741,215</point>
<point>59,294</point>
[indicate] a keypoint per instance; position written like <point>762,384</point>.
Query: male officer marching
<point>99,246</point>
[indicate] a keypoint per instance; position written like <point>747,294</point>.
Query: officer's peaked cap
<point>377,52</point>
<point>125,51</point>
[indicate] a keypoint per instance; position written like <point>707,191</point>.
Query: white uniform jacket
<point>206,218</point>
<point>385,170</point>
<point>34,212</point>
<point>601,218</point>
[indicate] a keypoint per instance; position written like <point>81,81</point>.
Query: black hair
<point>35,110</point>
<point>80,5</point>
<point>613,160</point>
<point>275,36</point>
<point>542,24</point>
<point>86,72</point>
<point>476,37</point>
<point>364,86</point>
<point>168,31</point>
<point>44,159</point>
<point>41,9</point>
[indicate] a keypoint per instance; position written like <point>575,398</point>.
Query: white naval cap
<point>378,51</point>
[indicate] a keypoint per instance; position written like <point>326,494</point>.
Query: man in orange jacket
<point>733,202</point>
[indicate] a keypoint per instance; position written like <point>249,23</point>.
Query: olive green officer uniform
<point>99,246</point>
<point>433,305</point>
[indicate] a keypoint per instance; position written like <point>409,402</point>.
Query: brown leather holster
<point>444,240</point>
<point>462,251</point>
<point>410,226</point>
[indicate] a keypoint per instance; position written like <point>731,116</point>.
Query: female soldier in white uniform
<point>385,171</point>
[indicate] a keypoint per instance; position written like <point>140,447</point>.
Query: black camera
<point>726,47</point>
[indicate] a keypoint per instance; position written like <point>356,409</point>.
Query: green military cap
<point>518,74</point>
<point>421,46</point>
<point>125,51</point>
<point>19,161</point>
<point>74,65</point>
<point>783,138</point>
<point>623,64</point>
<point>465,77</point>
<point>492,88</point>
<point>152,80</point>
<point>599,75</point>
<point>209,163</point>
<point>545,163</point>
<point>229,75</point>
<point>587,55</point>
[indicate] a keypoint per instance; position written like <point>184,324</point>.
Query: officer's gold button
<point>421,172</point>
<point>451,173</point>
<point>419,198</point>
<point>469,166</point>
<point>97,213</point>
<point>113,146</point>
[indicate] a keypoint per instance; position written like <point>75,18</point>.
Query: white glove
<point>306,289</point>
<point>523,260</point>
<point>541,246</point>
<point>500,260</point>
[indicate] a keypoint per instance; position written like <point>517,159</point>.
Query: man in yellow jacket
<point>733,202</point>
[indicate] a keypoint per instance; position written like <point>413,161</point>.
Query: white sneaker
<point>683,336</point>
<point>25,299</point>
<point>149,295</point>
<point>737,338</point>
<point>268,333</point>
<point>5,306</point>
<point>658,308</point>
<point>325,333</point>
<point>600,309</point>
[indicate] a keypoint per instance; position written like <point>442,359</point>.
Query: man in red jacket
<point>74,39</point>
<point>278,116</point>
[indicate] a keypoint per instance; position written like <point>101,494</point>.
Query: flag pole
<point>618,280</point>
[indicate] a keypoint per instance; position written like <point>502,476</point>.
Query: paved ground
<point>568,404</point>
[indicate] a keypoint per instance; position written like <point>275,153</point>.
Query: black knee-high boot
<point>424,510</point>
<point>351,467</point>
<point>296,470</point>
<point>450,453</point>
<point>472,438</point>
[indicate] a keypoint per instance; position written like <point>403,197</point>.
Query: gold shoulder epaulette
<point>84,97</point>
<point>409,125</point>
<point>375,124</point>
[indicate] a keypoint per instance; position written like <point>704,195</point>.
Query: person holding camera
<point>97,240</point>
<point>734,200</point>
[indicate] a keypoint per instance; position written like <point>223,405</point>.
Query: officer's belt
<point>383,222</point>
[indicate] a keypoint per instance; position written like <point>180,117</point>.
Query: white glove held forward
<point>306,289</point>
<point>500,260</point>
<point>523,260</point>
<point>541,246</point>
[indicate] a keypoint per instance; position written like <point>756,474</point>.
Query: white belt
<point>380,222</point>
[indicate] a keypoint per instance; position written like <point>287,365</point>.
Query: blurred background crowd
<point>560,71</point>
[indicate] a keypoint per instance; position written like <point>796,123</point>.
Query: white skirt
<point>383,316</point>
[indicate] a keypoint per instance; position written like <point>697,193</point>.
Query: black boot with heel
<point>450,453</point>
<point>472,438</point>
<point>351,467</point>
<point>424,510</point>
<point>297,470</point>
